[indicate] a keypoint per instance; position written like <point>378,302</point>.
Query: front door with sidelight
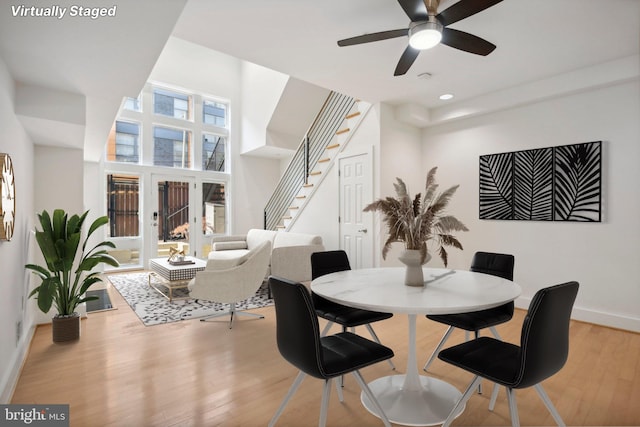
<point>172,220</point>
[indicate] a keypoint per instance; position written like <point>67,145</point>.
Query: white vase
<point>413,273</point>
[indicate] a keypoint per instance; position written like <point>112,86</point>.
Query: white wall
<point>59,182</point>
<point>397,152</point>
<point>261,92</point>
<point>400,157</point>
<point>603,257</point>
<point>320,216</point>
<point>15,254</point>
<point>187,65</point>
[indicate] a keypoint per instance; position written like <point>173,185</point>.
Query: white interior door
<point>173,221</point>
<point>356,191</point>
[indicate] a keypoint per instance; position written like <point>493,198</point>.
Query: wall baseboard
<point>9,382</point>
<point>616,321</point>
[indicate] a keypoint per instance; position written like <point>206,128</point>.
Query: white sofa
<point>290,252</point>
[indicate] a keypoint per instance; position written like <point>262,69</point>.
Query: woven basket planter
<point>66,328</point>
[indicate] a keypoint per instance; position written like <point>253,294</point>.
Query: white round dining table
<point>412,399</point>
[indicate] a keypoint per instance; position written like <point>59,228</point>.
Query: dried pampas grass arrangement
<point>416,221</point>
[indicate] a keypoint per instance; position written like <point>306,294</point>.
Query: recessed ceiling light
<point>446,96</point>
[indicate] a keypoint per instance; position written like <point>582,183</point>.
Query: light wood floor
<point>192,373</point>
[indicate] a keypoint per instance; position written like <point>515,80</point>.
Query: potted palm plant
<point>417,221</point>
<point>69,268</point>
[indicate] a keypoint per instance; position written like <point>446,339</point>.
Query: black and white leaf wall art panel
<point>496,186</point>
<point>546,184</point>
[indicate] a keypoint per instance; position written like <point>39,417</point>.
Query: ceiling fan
<point>428,28</point>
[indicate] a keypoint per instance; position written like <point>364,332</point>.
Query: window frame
<point>190,146</point>
<point>147,120</point>
<point>169,92</point>
<point>138,144</point>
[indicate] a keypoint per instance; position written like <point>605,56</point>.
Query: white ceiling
<point>103,60</point>
<point>537,41</point>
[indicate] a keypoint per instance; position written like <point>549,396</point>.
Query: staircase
<point>326,138</point>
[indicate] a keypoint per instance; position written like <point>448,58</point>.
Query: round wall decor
<point>8,199</point>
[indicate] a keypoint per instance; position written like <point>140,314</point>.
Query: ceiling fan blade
<point>415,9</point>
<point>467,42</point>
<point>374,37</point>
<point>406,61</point>
<point>464,9</point>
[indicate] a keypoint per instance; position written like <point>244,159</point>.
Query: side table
<point>171,276</point>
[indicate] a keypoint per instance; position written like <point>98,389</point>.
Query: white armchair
<point>232,280</point>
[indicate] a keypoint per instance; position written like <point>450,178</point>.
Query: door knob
<point>364,230</point>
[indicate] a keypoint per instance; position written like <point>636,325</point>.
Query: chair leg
<point>339,390</point>
<point>495,333</point>
<point>547,402</point>
<point>232,313</point>
<point>462,401</point>
<point>494,396</point>
<point>365,388</point>
<point>324,405</point>
<point>513,407</point>
<point>291,392</point>
<point>221,314</point>
<point>476,335</point>
<point>326,328</point>
<point>376,339</point>
<point>247,314</point>
<point>438,347</point>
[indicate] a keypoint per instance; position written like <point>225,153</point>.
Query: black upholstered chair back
<point>328,262</point>
<point>545,334</point>
<point>500,265</point>
<point>325,263</point>
<point>297,330</point>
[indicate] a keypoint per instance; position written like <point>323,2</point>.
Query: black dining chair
<point>500,265</point>
<point>327,262</point>
<point>328,357</point>
<point>543,351</point>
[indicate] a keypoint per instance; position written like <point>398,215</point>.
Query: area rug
<point>154,309</point>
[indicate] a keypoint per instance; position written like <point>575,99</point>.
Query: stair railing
<point>317,138</point>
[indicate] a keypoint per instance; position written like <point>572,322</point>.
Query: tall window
<point>171,147</point>
<point>213,208</point>
<point>213,152</point>
<point>214,113</point>
<point>173,136</point>
<point>132,104</point>
<point>171,104</point>
<point>123,205</point>
<point>123,144</point>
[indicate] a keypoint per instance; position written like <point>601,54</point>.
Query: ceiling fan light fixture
<point>425,35</point>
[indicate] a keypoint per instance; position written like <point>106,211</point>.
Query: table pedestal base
<point>429,405</point>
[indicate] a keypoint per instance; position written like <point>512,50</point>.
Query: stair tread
<point>329,147</point>
<point>341,131</point>
<point>307,185</point>
<point>326,159</point>
<point>352,115</point>
<point>301,197</point>
<point>315,173</point>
